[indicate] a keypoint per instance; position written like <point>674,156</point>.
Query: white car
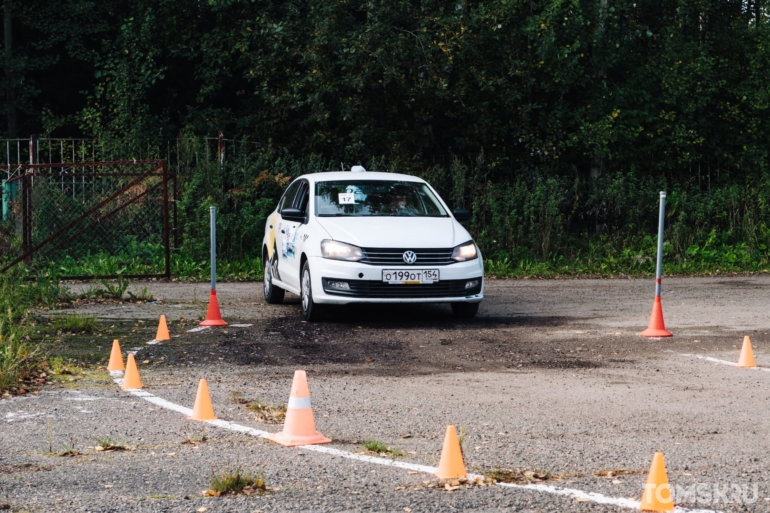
<point>361,237</point>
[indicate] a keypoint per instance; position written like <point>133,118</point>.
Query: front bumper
<point>366,286</point>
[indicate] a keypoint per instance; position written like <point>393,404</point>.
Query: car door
<point>278,229</point>
<point>292,236</point>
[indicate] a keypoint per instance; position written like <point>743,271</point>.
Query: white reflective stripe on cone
<point>299,403</point>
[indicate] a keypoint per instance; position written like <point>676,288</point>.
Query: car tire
<point>465,310</point>
<point>273,293</point>
<point>311,311</point>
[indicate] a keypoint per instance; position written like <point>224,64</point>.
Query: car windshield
<point>376,198</point>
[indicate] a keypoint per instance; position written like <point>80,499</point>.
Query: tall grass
<point>18,354</point>
<point>536,224</point>
<point>183,266</point>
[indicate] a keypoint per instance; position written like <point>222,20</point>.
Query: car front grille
<point>379,289</point>
<point>395,256</point>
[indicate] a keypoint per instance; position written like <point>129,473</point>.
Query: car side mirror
<point>293,214</point>
<point>462,214</point>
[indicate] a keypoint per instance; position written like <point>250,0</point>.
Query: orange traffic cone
<point>131,378</point>
<point>747,355</point>
<point>116,358</point>
<point>299,426</point>
<point>451,465</point>
<point>162,333</point>
<point>657,327</point>
<point>203,409</point>
<point>213,317</point>
<point>657,492</point>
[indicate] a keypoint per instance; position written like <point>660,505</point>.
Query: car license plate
<point>409,277</point>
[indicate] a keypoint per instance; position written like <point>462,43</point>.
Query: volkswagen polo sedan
<point>369,237</point>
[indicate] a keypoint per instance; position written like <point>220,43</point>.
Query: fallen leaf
<point>449,488</point>
<point>201,510</point>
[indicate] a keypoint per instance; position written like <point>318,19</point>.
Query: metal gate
<point>89,219</point>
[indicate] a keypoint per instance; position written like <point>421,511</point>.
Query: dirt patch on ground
<point>521,326</point>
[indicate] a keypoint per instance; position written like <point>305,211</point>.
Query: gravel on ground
<point>552,377</point>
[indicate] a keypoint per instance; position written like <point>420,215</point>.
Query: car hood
<point>396,232</point>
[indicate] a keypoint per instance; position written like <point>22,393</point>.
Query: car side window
<point>301,200</point>
<point>288,197</point>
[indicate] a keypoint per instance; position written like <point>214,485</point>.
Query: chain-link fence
<point>89,219</point>
<point>73,175</point>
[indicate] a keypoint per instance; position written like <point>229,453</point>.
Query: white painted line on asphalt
<point>723,362</point>
<point>199,328</point>
<point>237,427</point>
<point>371,459</point>
<point>241,325</point>
<point>594,497</point>
<point>566,492</point>
<point>17,416</point>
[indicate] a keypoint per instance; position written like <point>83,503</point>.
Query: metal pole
<point>167,252</point>
<point>661,219</point>
<point>213,211</point>
<point>6,192</point>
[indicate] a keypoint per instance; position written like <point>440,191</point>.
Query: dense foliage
<point>557,121</point>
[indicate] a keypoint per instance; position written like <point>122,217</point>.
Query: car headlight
<point>465,252</point>
<point>340,251</point>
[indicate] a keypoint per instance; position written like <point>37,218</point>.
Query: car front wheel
<point>311,311</point>
<point>465,310</point>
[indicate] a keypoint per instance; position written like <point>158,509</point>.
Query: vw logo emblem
<point>410,257</point>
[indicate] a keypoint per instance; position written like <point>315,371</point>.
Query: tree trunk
<point>10,92</point>
<point>597,162</point>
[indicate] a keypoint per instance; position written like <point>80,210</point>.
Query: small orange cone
<point>131,378</point>
<point>116,358</point>
<point>747,355</point>
<point>213,317</point>
<point>657,492</point>
<point>451,465</point>
<point>162,329</point>
<point>203,409</point>
<point>657,327</point>
<point>299,426</point>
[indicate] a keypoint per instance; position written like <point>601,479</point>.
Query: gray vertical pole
<point>661,219</point>
<point>6,192</point>
<point>213,211</point>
